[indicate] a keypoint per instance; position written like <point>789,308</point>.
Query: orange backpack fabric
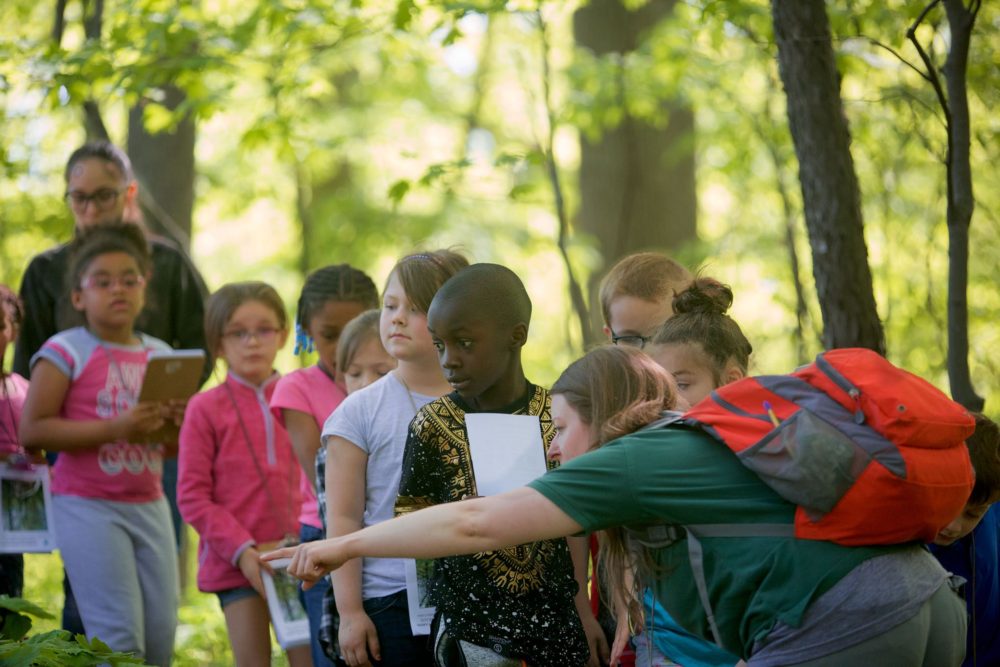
<point>870,453</point>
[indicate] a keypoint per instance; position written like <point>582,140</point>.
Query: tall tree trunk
<point>93,21</point>
<point>960,202</point>
<point>830,193</point>
<point>954,101</point>
<point>637,182</point>
<point>164,166</point>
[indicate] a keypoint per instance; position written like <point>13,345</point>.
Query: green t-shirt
<point>681,476</point>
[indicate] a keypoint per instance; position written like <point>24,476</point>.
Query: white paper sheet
<point>25,510</point>
<point>288,616</point>
<point>418,580</point>
<point>507,451</point>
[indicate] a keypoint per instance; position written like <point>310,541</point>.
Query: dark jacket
<point>976,557</point>
<point>174,310</point>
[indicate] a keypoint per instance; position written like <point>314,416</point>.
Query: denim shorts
<point>233,594</point>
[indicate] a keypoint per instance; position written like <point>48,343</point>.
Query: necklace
<point>409,394</point>
<point>288,539</point>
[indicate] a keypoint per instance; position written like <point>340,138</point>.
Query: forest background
<point>272,137</point>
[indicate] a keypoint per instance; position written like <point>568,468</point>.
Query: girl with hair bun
<point>702,346</point>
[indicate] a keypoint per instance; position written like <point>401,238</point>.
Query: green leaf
<point>15,626</point>
<point>19,654</point>
<point>157,118</point>
<point>520,190</point>
<point>398,190</point>
<point>404,14</point>
<point>22,605</point>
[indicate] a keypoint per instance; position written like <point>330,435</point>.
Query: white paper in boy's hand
<point>507,451</point>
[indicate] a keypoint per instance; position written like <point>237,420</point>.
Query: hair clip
<point>303,343</point>
<point>424,257</point>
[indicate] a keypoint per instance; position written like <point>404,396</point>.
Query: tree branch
<point>575,291</point>
<point>931,74</point>
<point>59,22</point>
<point>93,22</point>
<point>897,54</point>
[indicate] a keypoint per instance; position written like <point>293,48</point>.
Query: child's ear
<point>76,298</point>
<point>607,331</point>
<point>732,372</point>
<point>519,335</point>
<point>282,337</point>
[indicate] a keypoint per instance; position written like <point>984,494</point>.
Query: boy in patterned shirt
<point>520,603</point>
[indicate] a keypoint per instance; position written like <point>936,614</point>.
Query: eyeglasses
<point>103,198</point>
<point>630,340</point>
<point>263,335</point>
<point>104,282</point>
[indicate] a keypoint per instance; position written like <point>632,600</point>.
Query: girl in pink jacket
<point>238,480</point>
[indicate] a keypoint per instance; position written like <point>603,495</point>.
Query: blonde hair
<point>422,273</point>
<point>617,390</point>
<point>644,275</point>
<point>356,333</point>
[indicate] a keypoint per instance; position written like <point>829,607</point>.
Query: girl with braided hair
<point>331,297</point>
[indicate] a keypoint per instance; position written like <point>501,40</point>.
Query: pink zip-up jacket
<point>219,488</point>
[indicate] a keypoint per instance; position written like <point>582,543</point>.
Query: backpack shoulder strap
<point>667,418</point>
<point>696,553</point>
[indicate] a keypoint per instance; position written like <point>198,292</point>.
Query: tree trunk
<point>164,167</point>
<point>830,193</point>
<point>637,182</point>
<point>960,202</point>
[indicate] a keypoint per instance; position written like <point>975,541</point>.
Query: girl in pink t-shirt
<point>15,388</point>
<point>112,523</point>
<point>238,482</point>
<point>331,297</point>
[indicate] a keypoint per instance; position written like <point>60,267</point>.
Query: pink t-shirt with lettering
<point>105,380</point>
<point>309,390</point>
<point>15,388</point>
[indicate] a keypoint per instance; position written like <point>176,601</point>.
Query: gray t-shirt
<point>376,419</point>
<point>874,597</point>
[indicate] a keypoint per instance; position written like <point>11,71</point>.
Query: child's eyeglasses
<point>630,340</point>
<point>129,281</point>
<point>102,199</point>
<point>263,335</point>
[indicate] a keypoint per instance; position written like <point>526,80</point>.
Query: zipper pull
<point>859,415</point>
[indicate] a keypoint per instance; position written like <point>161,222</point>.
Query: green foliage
<point>55,647</point>
<point>201,628</point>
<point>394,124</point>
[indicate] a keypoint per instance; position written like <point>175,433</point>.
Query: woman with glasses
<point>101,188</point>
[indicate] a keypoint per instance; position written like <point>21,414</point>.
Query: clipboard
<point>171,375</point>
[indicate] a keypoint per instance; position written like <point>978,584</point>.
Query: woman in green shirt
<point>775,600</point>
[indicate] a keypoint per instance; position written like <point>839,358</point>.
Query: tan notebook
<point>172,375</point>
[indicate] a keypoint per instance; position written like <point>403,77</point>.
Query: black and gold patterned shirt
<point>516,601</point>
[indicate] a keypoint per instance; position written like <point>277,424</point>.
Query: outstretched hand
<point>311,561</point>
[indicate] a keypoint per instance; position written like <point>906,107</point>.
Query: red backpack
<point>870,453</point>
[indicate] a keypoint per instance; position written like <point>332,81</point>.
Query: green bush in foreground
<point>56,647</point>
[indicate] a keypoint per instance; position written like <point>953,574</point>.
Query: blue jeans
<point>312,600</point>
<point>400,648</point>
